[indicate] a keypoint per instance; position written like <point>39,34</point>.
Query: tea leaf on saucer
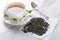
<point>5,15</point>
<point>29,11</point>
<point>14,19</point>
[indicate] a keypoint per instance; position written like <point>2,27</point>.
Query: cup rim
<point>15,4</point>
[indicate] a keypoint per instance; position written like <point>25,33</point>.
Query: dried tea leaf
<point>37,26</point>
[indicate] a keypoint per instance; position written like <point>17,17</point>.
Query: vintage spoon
<point>34,6</point>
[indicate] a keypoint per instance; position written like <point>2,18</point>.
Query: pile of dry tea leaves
<point>36,25</point>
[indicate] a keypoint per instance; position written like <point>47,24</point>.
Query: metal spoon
<point>34,6</point>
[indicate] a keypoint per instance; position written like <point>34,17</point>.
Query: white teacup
<point>14,14</point>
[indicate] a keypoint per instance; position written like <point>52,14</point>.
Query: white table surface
<point>6,33</point>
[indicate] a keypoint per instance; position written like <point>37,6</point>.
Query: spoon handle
<point>42,14</point>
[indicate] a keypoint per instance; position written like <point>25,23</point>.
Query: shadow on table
<point>13,27</point>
